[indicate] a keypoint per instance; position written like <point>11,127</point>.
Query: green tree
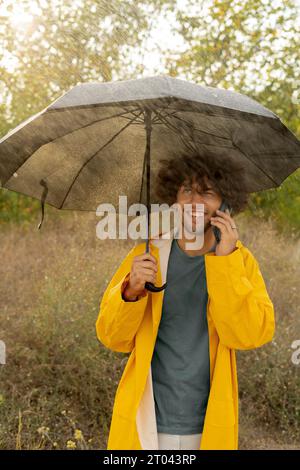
<point>253,47</point>
<point>66,42</point>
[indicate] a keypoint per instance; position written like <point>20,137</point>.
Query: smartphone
<point>216,230</point>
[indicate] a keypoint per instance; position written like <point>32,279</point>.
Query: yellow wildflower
<point>43,430</point>
<point>71,445</point>
<point>78,435</point>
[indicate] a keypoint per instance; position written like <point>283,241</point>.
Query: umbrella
<point>99,140</point>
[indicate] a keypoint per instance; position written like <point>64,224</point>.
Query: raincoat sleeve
<point>240,306</point>
<point>119,320</point>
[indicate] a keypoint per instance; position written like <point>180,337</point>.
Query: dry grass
<point>58,385</point>
<point>269,382</point>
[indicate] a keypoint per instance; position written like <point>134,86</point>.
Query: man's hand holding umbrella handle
<point>144,269</point>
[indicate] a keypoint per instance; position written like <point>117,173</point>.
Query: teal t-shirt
<point>180,362</point>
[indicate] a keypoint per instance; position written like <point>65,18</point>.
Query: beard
<point>192,228</point>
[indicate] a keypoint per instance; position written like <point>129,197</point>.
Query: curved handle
<point>152,288</point>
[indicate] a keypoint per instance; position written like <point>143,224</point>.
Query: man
<point>179,388</point>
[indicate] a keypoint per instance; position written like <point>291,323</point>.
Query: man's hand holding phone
<point>229,233</point>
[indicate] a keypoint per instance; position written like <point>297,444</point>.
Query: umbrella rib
<point>99,150</point>
<point>169,124</point>
<point>133,112</point>
<point>254,163</point>
<point>275,152</point>
<point>64,135</point>
<point>290,157</point>
<point>242,115</point>
<point>192,148</point>
<point>174,128</point>
<point>155,120</point>
<point>138,122</point>
<point>199,130</point>
<point>90,124</point>
<point>234,145</point>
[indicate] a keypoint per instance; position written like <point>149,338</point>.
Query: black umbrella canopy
<point>88,146</point>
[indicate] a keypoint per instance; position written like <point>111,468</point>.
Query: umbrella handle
<point>148,125</point>
<point>152,288</point>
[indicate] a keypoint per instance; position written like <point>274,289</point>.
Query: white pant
<point>179,441</point>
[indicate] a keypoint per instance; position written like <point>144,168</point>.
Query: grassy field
<point>58,383</point>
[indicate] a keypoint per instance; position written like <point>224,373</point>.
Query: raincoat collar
<point>163,242</point>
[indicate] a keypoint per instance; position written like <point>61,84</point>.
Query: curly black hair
<point>226,176</point>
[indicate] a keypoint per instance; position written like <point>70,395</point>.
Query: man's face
<point>193,194</point>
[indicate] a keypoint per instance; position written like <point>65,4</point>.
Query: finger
<point>220,225</point>
<point>228,230</point>
<point>222,221</point>
<point>225,215</point>
<point>144,271</point>
<point>147,275</point>
<point>149,278</point>
<point>146,256</point>
<point>148,264</point>
<point>228,224</point>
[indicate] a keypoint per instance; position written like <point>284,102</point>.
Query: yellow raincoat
<point>240,315</point>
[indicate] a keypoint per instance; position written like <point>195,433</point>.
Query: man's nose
<point>197,198</point>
